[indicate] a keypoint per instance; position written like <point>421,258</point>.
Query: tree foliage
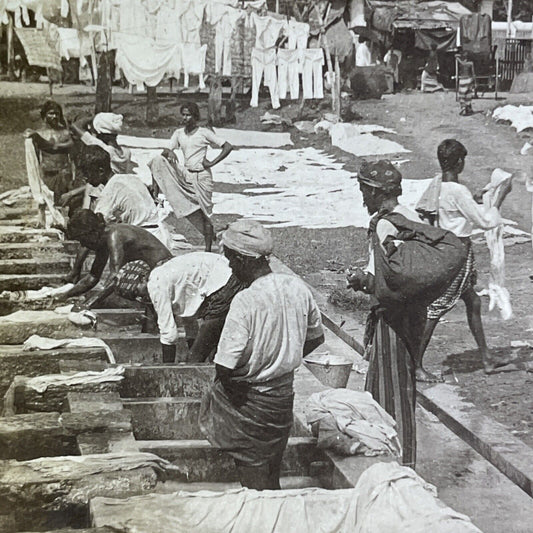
<point>522,10</point>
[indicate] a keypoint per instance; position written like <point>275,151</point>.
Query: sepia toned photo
<point>266,266</point>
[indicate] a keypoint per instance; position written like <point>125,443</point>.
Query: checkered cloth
<point>132,279</point>
<point>466,279</point>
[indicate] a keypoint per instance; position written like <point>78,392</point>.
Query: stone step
<point>198,460</point>
<point>13,234</point>
<point>30,220</point>
<point>172,419</point>
<point>23,282</point>
<point>7,213</point>
<point>53,493</point>
<point>51,265</point>
<point>24,250</point>
<point>167,381</point>
<point>83,402</point>
<point>29,436</point>
<point>14,361</point>
<point>135,348</point>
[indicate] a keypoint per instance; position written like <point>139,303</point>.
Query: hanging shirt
<point>363,57</point>
<point>125,199</point>
<point>194,146</point>
<point>266,328</point>
<point>267,30</point>
<point>181,285</point>
<point>459,212</point>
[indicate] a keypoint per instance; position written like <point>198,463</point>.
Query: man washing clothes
<point>132,253</point>
<point>451,206</point>
<point>198,287</point>
<point>105,127</point>
<point>119,198</point>
<point>270,326</point>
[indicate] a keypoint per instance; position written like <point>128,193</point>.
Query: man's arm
<point>313,344</point>
<point>90,280</point>
<point>50,147</point>
<point>224,152</point>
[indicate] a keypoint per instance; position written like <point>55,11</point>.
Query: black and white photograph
<point>265,266</point>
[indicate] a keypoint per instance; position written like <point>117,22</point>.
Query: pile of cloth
<point>352,422</point>
<point>387,498</point>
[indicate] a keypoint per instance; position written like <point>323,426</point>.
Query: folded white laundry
<point>36,342</point>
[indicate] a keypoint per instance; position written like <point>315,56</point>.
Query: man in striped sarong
<point>466,79</point>
<point>393,330</point>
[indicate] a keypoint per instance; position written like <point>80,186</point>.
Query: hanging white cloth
<point>288,73</point>
<point>498,294</point>
<point>313,82</point>
<point>40,192</point>
<point>264,63</point>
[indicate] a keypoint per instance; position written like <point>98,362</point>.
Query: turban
<point>381,175</point>
<point>107,123</point>
<point>248,237</point>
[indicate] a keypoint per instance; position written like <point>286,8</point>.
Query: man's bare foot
<point>427,377</point>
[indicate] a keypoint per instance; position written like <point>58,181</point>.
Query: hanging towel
<point>498,294</point>
<point>41,193</point>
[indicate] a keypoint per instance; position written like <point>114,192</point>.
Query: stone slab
<point>55,492</point>
<point>24,250</point>
<point>145,348</point>
<point>67,366</point>
<point>83,402</point>
<point>120,317</point>
<point>164,381</point>
<point>107,442</point>
<point>16,234</point>
<point>197,460</point>
<point>15,330</point>
<point>488,437</point>
<point>24,282</point>
<point>14,361</point>
<point>49,265</point>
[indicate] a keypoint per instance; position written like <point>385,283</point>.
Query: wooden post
<point>103,84</point>
<point>324,40</point>
<point>337,84</point>
<point>10,48</point>
<point>152,107</point>
<point>509,17</point>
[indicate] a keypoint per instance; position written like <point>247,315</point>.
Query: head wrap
<point>248,237</point>
<point>107,123</point>
<point>381,175</point>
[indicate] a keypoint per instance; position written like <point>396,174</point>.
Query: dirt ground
<point>321,255</point>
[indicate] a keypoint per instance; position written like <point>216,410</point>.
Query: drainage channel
<point>77,427</point>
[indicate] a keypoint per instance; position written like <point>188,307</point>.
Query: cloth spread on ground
<point>356,414</point>
<point>36,342</point>
<point>181,285</point>
<point>520,117</point>
<point>40,192</point>
<point>498,294</point>
<point>41,383</point>
<point>57,469</point>
<point>32,295</point>
<point>387,497</point>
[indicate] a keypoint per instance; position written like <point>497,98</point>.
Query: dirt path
<point>321,255</point>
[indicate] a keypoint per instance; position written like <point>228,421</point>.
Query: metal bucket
<point>331,370</point>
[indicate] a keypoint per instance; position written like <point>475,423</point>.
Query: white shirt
<point>459,212</point>
<point>194,146</point>
<point>363,57</point>
<point>180,285</point>
<point>125,199</point>
<point>266,328</point>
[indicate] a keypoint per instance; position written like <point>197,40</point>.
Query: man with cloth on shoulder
<point>270,326</point>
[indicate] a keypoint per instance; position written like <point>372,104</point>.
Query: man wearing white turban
<point>106,127</point>
<point>270,326</point>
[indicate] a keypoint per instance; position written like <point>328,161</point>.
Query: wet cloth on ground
<point>387,497</point>
<point>357,415</point>
<point>180,286</point>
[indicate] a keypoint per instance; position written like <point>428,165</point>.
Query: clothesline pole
<point>277,6</point>
<point>152,108</point>
<point>10,48</point>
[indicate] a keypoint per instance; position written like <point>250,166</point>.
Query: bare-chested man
<point>132,253</point>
